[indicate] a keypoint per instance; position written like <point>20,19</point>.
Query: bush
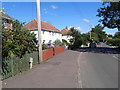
<point>113,42</point>
<point>15,65</point>
<point>44,47</point>
<point>58,43</point>
<point>18,41</point>
<point>65,42</point>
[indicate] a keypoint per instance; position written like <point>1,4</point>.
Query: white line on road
<point>115,57</point>
<point>79,75</point>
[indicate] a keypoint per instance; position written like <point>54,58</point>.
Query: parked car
<point>92,45</point>
<point>51,45</point>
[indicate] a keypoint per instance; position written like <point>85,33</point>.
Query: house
<point>6,20</point>
<point>49,33</point>
<point>65,35</point>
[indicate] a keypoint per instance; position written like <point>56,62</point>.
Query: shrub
<point>113,42</point>
<point>18,41</point>
<point>58,43</point>
<point>44,47</point>
<point>65,42</point>
<point>15,65</point>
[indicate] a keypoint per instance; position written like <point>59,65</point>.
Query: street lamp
<point>39,31</point>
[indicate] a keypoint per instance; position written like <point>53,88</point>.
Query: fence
<point>15,65</point>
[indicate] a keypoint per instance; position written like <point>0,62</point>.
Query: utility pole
<point>90,31</point>
<point>39,31</point>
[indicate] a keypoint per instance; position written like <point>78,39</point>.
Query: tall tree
<point>110,15</point>
<point>99,34</point>
<point>77,41</point>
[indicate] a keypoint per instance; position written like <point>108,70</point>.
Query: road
<point>82,68</point>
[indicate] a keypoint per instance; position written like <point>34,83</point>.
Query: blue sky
<point>60,14</point>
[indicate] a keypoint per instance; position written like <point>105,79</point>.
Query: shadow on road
<point>101,50</point>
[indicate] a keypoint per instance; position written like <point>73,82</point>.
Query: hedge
<point>113,42</point>
<point>15,65</point>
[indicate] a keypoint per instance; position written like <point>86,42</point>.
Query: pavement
<point>83,68</point>
<point>58,72</point>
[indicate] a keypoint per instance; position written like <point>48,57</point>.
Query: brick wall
<point>49,53</point>
<point>46,54</point>
<point>58,49</point>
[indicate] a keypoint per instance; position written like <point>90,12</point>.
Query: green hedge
<point>15,65</point>
<point>113,42</point>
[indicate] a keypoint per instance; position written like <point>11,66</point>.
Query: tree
<point>109,35</point>
<point>100,34</point>
<point>110,15</point>
<point>76,40</point>
<point>94,36</point>
<point>85,38</point>
<point>18,41</point>
<point>117,35</point>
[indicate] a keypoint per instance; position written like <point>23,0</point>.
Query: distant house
<point>65,35</point>
<point>49,33</point>
<point>6,20</point>
<point>109,38</point>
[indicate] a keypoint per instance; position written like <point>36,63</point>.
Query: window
<point>50,41</point>
<point>50,33</point>
<point>53,34</point>
<point>43,41</point>
<point>43,32</point>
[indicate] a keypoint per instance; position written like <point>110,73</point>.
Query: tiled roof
<point>44,25</point>
<point>65,31</point>
<point>5,16</point>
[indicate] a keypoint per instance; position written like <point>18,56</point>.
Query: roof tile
<point>32,25</point>
<point>64,31</point>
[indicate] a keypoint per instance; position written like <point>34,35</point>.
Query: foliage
<point>44,47</point>
<point>65,42</point>
<point>77,40</point>
<point>18,41</point>
<point>58,43</point>
<point>113,42</point>
<point>94,36</point>
<point>110,15</point>
<point>85,38</point>
<point>14,65</point>
<point>109,35</point>
<point>117,35</point>
<point>98,33</point>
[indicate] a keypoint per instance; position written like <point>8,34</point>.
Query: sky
<point>80,15</point>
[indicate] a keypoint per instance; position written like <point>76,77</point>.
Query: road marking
<point>115,57</point>
<point>79,75</point>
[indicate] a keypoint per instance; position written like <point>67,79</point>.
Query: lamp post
<point>39,31</point>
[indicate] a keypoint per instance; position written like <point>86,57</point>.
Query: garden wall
<point>46,54</point>
<point>14,65</point>
<point>58,49</point>
<point>49,53</point>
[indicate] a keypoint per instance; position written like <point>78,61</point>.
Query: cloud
<point>86,20</point>
<point>70,27</point>
<point>54,7</point>
<point>45,11</point>
<point>79,28</point>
